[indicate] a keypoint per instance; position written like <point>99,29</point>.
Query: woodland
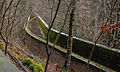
<point>33,46</point>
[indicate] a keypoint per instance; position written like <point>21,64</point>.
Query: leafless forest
<point>89,17</point>
<point>97,21</point>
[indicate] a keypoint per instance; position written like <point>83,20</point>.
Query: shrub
<point>1,47</point>
<point>36,67</point>
<point>28,61</point>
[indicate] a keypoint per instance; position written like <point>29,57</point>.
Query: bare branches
<point>93,48</point>
<point>70,37</point>
<point>2,22</point>
<point>3,17</point>
<point>62,27</point>
<point>51,26</point>
<point>48,35</point>
<point>13,19</point>
<point>10,24</point>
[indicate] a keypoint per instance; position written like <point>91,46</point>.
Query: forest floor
<point>21,53</point>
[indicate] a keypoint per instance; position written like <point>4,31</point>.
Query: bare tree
<point>8,24</point>
<point>70,37</point>
<point>2,22</point>
<point>47,50</point>
<point>98,38</point>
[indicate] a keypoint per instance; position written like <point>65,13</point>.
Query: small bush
<point>36,67</point>
<point>1,47</point>
<point>28,62</point>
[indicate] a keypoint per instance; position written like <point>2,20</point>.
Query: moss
<point>43,27</point>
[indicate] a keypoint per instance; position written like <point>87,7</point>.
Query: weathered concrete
<point>36,45</point>
<point>6,65</point>
<point>103,55</point>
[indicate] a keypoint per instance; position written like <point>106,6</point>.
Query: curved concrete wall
<point>102,55</point>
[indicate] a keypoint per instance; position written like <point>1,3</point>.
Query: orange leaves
<point>108,27</point>
<point>16,51</point>
<point>103,27</point>
<point>108,31</point>
<point>118,23</point>
<point>117,27</point>
<point>113,26</point>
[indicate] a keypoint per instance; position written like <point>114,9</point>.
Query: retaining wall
<point>103,57</point>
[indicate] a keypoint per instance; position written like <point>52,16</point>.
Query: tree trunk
<point>70,37</point>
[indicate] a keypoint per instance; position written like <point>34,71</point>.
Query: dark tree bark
<point>49,53</point>
<point>70,37</point>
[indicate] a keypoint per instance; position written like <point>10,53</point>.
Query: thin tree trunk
<point>70,38</point>
<point>49,53</point>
